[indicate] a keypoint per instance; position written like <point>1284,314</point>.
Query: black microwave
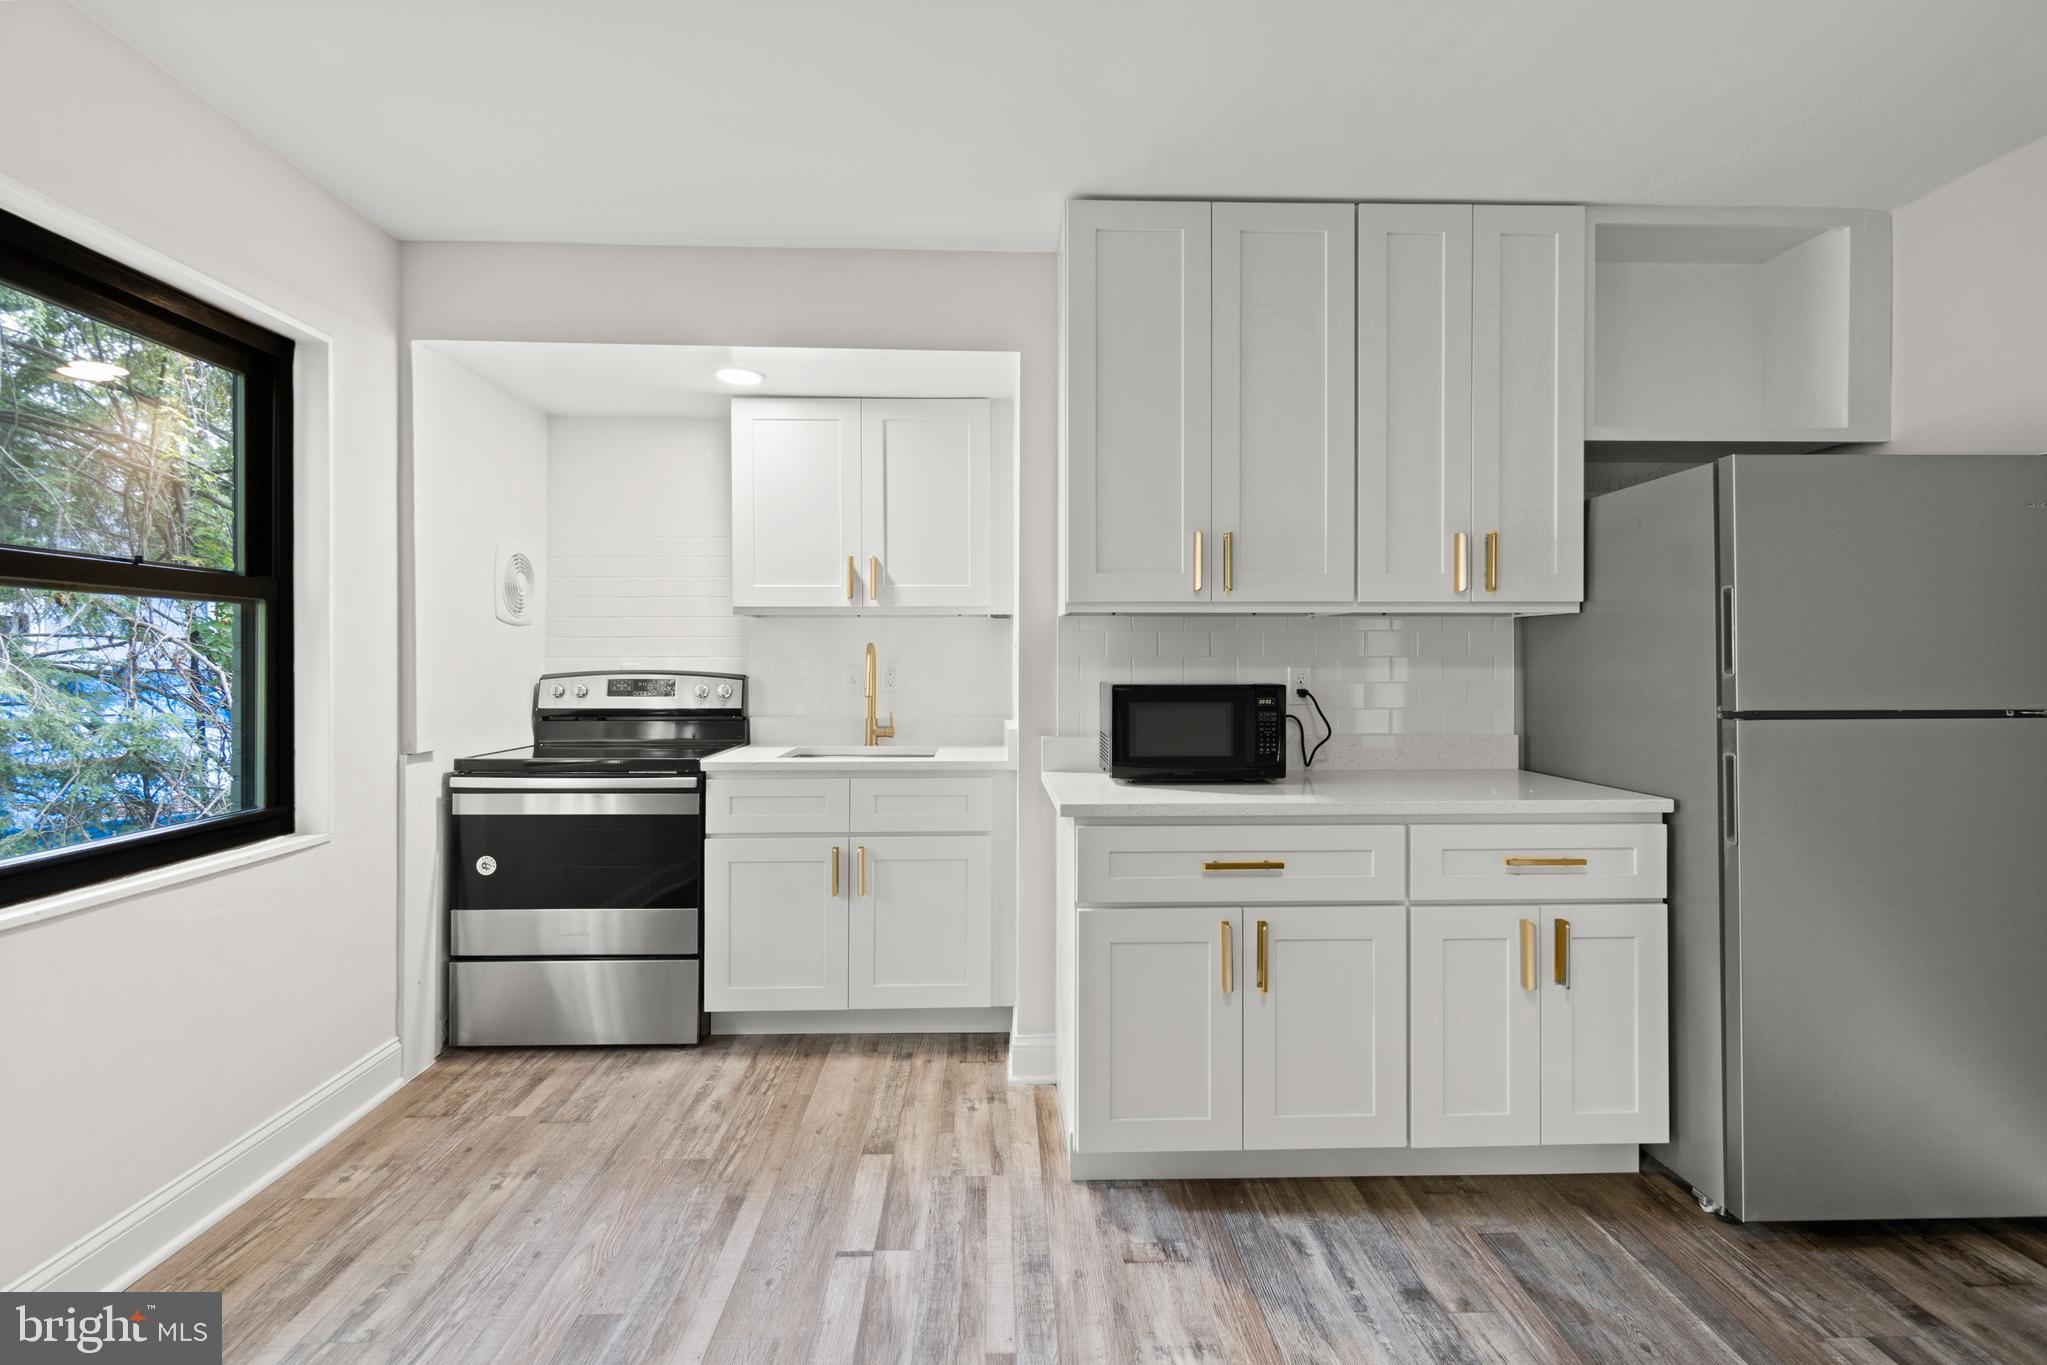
<point>1194,732</point>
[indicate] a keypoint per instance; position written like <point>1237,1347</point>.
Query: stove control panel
<point>641,691</point>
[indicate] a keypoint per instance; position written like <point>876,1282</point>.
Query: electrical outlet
<point>888,677</point>
<point>1296,678</point>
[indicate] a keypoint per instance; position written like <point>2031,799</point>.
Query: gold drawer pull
<point>1545,862</point>
<point>849,578</point>
<point>1197,563</point>
<point>1229,562</point>
<point>860,864</point>
<point>1263,930</point>
<point>1460,563</point>
<point>1492,561</point>
<point>873,579</point>
<point>835,869</point>
<point>1229,982</point>
<point>1528,955</point>
<point>1563,950</point>
<point>1253,865</point>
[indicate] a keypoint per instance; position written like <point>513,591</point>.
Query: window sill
<point>156,879</point>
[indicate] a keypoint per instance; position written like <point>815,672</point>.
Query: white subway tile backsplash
<point>1374,675</point>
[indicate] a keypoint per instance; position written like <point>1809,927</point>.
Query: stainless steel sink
<point>860,751</point>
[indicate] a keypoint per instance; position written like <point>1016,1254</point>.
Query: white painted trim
<point>156,879</point>
<point>118,1252</point>
<point>1606,1158</point>
<point>1033,1058</point>
<point>735,1022</point>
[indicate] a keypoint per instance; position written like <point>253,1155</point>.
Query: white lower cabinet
<point>1606,1024</point>
<point>1160,1046</point>
<point>1540,1025</point>
<point>1325,1027</point>
<point>1477,1026</point>
<point>775,923</point>
<point>1199,1032</point>
<point>919,932</point>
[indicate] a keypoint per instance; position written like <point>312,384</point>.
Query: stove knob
<point>559,689</point>
<point>702,691</point>
<point>581,690</point>
<point>725,691</point>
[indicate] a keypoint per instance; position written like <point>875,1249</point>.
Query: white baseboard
<point>1591,1158</point>
<point>993,1019</point>
<point>1033,1058</point>
<point>118,1252</point>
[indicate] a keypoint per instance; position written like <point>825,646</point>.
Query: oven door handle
<point>571,784</point>
<point>575,803</point>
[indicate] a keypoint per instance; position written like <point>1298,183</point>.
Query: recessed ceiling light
<point>91,371</point>
<point>732,374</point>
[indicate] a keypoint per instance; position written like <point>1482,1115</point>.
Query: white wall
<point>1969,312</point>
<point>640,576</point>
<point>913,300</point>
<point>147,1034</point>
<point>479,475</point>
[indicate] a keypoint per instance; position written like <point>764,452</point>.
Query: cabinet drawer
<point>1537,862</point>
<point>775,805</point>
<point>1241,865</point>
<point>922,805</point>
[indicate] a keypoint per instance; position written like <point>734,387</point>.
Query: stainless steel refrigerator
<point>1837,666</point>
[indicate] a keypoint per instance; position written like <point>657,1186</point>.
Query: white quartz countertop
<point>775,758</point>
<point>1347,792</point>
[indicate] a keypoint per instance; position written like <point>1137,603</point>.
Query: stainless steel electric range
<point>578,864</point>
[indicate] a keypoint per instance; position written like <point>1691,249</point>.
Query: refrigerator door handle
<point>1728,779</point>
<point>1727,631</point>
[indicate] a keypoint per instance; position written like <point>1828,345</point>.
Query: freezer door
<point>1887,992</point>
<point>1883,582</point>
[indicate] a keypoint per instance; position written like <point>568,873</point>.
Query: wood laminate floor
<point>834,1199</point>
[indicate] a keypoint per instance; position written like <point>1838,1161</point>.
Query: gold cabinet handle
<point>1229,982</point>
<point>873,579</point>
<point>1263,928</point>
<point>1492,561</point>
<point>1197,561</point>
<point>1544,862</point>
<point>860,868</point>
<point>835,869</point>
<point>1229,562</point>
<point>1563,950</point>
<point>1253,865</point>
<point>1528,955</point>
<point>849,578</point>
<point>1460,562</point>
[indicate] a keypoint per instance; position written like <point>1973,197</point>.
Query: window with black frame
<point>145,593</point>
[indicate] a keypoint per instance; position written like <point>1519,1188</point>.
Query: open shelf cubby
<point>1740,325</point>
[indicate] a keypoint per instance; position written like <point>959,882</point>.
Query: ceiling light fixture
<point>91,371</point>
<point>732,374</point>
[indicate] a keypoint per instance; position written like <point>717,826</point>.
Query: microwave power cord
<point>1307,754</point>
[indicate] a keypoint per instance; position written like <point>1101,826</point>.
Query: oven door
<point>548,868</point>
<point>1185,731</point>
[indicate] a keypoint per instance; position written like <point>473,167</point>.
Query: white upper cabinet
<point>1274,406</point>
<point>795,501</point>
<point>1136,343</point>
<point>1528,403</point>
<point>926,520</point>
<point>1284,403</point>
<point>1733,325</point>
<point>1414,400</point>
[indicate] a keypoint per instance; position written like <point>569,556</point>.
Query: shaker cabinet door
<point>1159,1051</point>
<point>775,923</point>
<point>1325,1026</point>
<point>1477,1025</point>
<point>920,921</point>
<point>1137,465</point>
<point>795,502</point>
<point>926,520</point>
<point>1605,1024</point>
<point>1284,380</point>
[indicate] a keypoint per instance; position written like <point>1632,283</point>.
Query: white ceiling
<point>585,379</point>
<point>965,123</point>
